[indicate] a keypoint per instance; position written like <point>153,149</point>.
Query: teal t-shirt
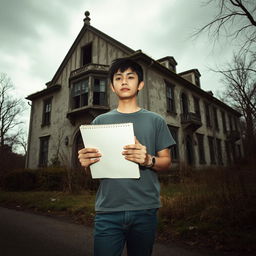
<point>135,194</point>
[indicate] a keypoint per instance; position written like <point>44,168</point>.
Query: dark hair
<point>123,64</point>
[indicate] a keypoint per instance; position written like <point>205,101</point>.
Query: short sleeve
<point>164,137</point>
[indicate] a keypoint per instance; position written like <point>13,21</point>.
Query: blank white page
<point>110,139</point>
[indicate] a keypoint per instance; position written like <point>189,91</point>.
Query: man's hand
<point>88,156</point>
<point>136,153</point>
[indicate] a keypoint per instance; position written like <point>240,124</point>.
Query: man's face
<point>126,84</point>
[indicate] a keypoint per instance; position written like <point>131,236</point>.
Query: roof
<point>139,55</point>
<point>136,55</point>
<point>85,28</point>
<point>44,92</point>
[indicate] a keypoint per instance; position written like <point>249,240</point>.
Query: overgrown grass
<point>213,207</point>
<point>78,206</point>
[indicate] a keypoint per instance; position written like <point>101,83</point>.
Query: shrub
<point>20,180</point>
<point>51,179</point>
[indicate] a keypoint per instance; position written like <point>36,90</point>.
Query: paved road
<point>27,234</point>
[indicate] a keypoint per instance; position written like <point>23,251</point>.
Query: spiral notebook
<point>110,139</point>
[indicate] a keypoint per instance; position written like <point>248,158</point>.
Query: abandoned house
<point>206,130</point>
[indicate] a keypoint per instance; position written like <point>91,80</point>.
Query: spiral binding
<point>105,126</point>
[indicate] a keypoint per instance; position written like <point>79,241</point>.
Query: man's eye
<point>117,78</point>
<point>130,77</point>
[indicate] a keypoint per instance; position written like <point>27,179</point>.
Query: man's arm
<point>138,154</point>
<point>163,160</point>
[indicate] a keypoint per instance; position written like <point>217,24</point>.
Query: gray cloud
<point>36,35</point>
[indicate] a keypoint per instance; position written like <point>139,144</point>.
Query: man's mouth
<point>125,89</point>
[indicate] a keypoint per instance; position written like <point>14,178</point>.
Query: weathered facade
<point>206,130</point>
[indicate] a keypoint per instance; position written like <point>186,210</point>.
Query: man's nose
<point>124,81</point>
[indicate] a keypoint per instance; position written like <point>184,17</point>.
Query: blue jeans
<point>135,228</point>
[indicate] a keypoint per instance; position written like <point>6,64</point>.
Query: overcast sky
<point>35,35</point>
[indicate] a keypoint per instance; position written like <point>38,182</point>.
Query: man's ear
<point>141,85</point>
<point>112,87</point>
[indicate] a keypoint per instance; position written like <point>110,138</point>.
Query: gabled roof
<point>85,28</point>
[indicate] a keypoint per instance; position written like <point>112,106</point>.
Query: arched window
<point>184,103</point>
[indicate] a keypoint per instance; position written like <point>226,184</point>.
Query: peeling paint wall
<point>60,128</point>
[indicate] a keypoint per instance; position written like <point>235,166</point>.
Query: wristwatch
<point>153,161</point>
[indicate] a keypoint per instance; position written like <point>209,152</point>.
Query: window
<point>227,145</point>
<point>235,123</point>
<point>43,151</point>
<point>47,112</point>
<point>201,154</point>
<point>170,97</point>
<point>86,53</point>
<point>230,123</point>
<point>99,92</point>
<point>174,148</point>
<point>224,121</point>
<point>211,148</point>
<point>219,152</point>
<point>184,103</point>
<point>197,106</point>
<point>207,114</point>
<point>215,114</point>
<point>80,93</point>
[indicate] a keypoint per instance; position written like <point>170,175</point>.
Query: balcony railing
<point>93,111</point>
<point>88,68</point>
<point>191,121</point>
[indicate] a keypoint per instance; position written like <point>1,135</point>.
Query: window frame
<point>81,95</point>
<point>105,103</point>
<point>208,115</point>
<point>43,154</point>
<point>215,118</point>
<point>211,149</point>
<point>170,102</point>
<point>224,124</point>
<point>201,151</point>
<point>197,106</point>
<point>219,151</point>
<point>46,115</point>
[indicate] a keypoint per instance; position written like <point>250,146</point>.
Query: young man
<point>126,208</point>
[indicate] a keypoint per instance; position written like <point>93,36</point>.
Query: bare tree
<point>239,78</point>
<point>235,18</point>
<point>18,141</point>
<point>11,109</point>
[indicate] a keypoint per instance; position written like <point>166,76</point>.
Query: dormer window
<point>86,54</point>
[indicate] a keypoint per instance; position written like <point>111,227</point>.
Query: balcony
<point>92,111</point>
<point>97,68</point>
<point>233,135</point>
<point>190,121</point>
